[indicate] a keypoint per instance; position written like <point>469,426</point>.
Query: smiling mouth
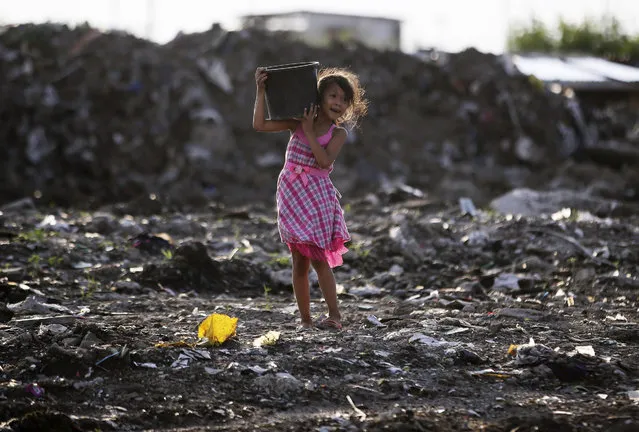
<point>336,111</point>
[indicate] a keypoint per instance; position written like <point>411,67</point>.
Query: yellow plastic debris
<point>217,328</point>
<point>497,375</point>
<point>268,339</point>
<point>178,344</point>
<point>512,349</point>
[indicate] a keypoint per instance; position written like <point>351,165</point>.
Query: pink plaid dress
<point>310,219</point>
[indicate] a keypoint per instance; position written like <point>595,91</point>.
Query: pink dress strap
<point>322,140</point>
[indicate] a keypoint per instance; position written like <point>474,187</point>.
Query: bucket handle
<point>290,66</point>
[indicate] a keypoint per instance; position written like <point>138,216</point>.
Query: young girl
<point>309,217</point>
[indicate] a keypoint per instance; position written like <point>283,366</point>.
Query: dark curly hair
<point>353,92</point>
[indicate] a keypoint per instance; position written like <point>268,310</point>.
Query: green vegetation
<point>280,260</point>
<point>267,290</point>
<point>604,38</point>
<point>35,235</point>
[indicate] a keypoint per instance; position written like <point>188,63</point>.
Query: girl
<point>309,217</point>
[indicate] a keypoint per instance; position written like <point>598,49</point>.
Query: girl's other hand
<point>308,119</point>
<point>260,78</point>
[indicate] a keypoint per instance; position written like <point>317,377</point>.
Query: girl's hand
<point>308,119</point>
<point>260,78</point>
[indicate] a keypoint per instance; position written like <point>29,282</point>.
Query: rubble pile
<point>95,117</point>
<point>90,118</point>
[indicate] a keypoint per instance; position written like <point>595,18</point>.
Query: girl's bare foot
<point>304,326</point>
<point>307,324</point>
<point>330,323</point>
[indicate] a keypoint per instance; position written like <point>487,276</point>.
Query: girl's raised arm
<point>259,123</point>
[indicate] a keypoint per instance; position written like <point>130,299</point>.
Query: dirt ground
<point>439,311</point>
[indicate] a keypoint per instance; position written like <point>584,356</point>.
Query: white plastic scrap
<point>186,356</point>
<point>587,350</point>
<point>396,270</point>
<point>373,320</point>
<point>430,341</point>
<point>633,395</point>
<point>146,365</point>
<point>257,369</point>
<point>476,238</point>
<point>51,222</point>
<point>368,290</point>
<point>508,281</point>
<point>269,338</point>
<point>467,206</point>
<point>33,305</point>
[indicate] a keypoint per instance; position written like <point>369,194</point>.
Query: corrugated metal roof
<point>554,69</point>
<point>606,68</point>
<point>309,12</point>
<point>577,71</point>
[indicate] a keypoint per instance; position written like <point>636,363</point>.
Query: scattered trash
<point>396,270</point>
<point>481,304</point>
<point>156,137</point>
<point>121,353</point>
<point>177,344</point>
<point>585,350</point>
<point>522,314</point>
<point>279,384</point>
<point>494,374</point>
<point>35,390</point>
<point>52,329</point>
<point>152,243</point>
<point>457,330</point>
<point>217,328</point>
<point>465,356</point>
<point>376,322</point>
<point>430,341</point>
<point>618,317</point>
<point>146,365</point>
<point>79,385</point>
<point>360,414</point>
<point>51,222</point>
<point>186,356</point>
<point>365,291</point>
<point>467,207</point>
<point>33,305</point>
<point>476,238</point>
<point>530,353</point>
<point>268,339</point>
<point>506,282</point>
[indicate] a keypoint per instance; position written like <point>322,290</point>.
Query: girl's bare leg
<point>329,290</point>
<point>301,266</point>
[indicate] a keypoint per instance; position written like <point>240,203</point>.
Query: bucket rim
<point>287,66</point>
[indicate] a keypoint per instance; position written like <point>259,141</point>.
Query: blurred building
<point>593,79</point>
<point>320,29</point>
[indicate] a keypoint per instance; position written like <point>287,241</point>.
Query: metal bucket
<point>290,88</point>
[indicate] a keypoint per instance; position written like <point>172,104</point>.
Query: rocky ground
<point>464,309</point>
<point>454,320</point>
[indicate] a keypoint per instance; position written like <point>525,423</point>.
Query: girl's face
<point>334,102</point>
